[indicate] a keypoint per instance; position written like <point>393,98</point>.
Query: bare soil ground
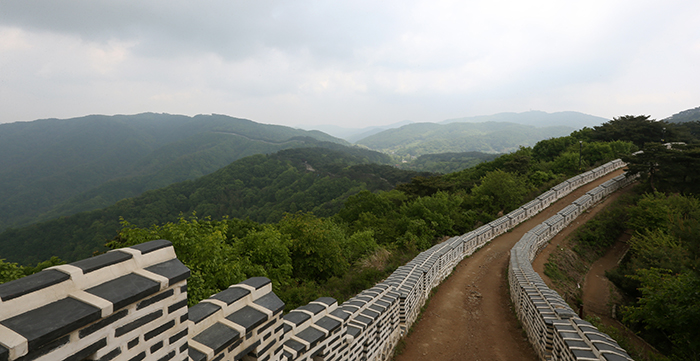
<point>470,316</point>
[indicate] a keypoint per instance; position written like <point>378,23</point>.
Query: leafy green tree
<point>10,271</point>
<point>315,245</point>
<point>549,149</point>
<point>499,191</point>
<point>568,163</point>
<point>669,311</point>
<point>637,129</point>
<point>266,252</point>
<point>359,244</point>
<point>201,245</point>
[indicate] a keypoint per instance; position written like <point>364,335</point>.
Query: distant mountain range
<point>352,135</point>
<point>430,138</point>
<point>57,167</point>
<point>537,118</point>
<point>574,120</point>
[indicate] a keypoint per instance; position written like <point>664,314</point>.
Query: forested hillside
<point>689,115</point>
<point>57,167</point>
<point>430,138</point>
<point>259,187</point>
<point>308,256</point>
<point>447,162</point>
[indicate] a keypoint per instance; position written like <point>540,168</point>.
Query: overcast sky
<point>352,63</point>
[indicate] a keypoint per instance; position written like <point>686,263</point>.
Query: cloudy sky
<point>352,63</point>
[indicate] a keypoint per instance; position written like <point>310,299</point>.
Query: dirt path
<point>596,295</point>
<point>543,257</point>
<point>470,317</point>
<point>596,287</point>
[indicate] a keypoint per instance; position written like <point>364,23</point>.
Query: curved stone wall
<point>553,328</point>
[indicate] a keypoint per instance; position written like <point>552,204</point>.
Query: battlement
<point>130,302</point>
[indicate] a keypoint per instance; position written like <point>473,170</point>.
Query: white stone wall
<point>128,304</point>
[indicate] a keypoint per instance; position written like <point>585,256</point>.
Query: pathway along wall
<point>553,328</point>
<point>131,304</point>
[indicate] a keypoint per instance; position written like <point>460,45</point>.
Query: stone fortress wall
<point>131,304</point>
<point>553,328</point>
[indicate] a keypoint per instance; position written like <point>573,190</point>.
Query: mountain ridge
<point>261,187</point>
<point>430,138</point>
<point>47,165</point>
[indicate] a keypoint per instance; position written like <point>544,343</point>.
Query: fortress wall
<point>131,304</point>
<point>127,304</point>
<point>553,328</point>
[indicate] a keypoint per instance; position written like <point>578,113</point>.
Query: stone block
<point>125,290</point>
<point>151,246</point>
<point>94,263</point>
<point>217,337</point>
<point>248,317</point>
<point>173,270</point>
<point>31,283</point>
<point>201,311</point>
<point>52,321</point>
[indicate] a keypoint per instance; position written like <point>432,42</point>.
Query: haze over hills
<point>430,138</point>
<point>537,118</point>
<point>575,120</point>
<point>57,167</point>
<point>352,135</point>
<point>259,187</point>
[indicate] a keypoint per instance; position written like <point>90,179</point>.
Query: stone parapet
<point>553,328</point>
<point>125,304</point>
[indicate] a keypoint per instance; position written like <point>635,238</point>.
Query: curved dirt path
<point>470,315</point>
<point>596,296</point>
<point>596,287</point>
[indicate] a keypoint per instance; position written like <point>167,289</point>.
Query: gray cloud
<point>354,62</point>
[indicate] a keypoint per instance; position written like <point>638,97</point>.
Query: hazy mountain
<point>259,187</point>
<point>352,135</point>
<point>57,167</point>
<point>536,118</point>
<point>431,138</point>
<point>690,115</point>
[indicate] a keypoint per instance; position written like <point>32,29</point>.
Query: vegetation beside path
<point>658,279</point>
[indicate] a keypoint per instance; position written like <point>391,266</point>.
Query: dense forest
<point>57,167</point>
<point>308,256</point>
<point>446,162</point>
<point>259,187</point>
<point>690,115</point>
<point>331,248</point>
